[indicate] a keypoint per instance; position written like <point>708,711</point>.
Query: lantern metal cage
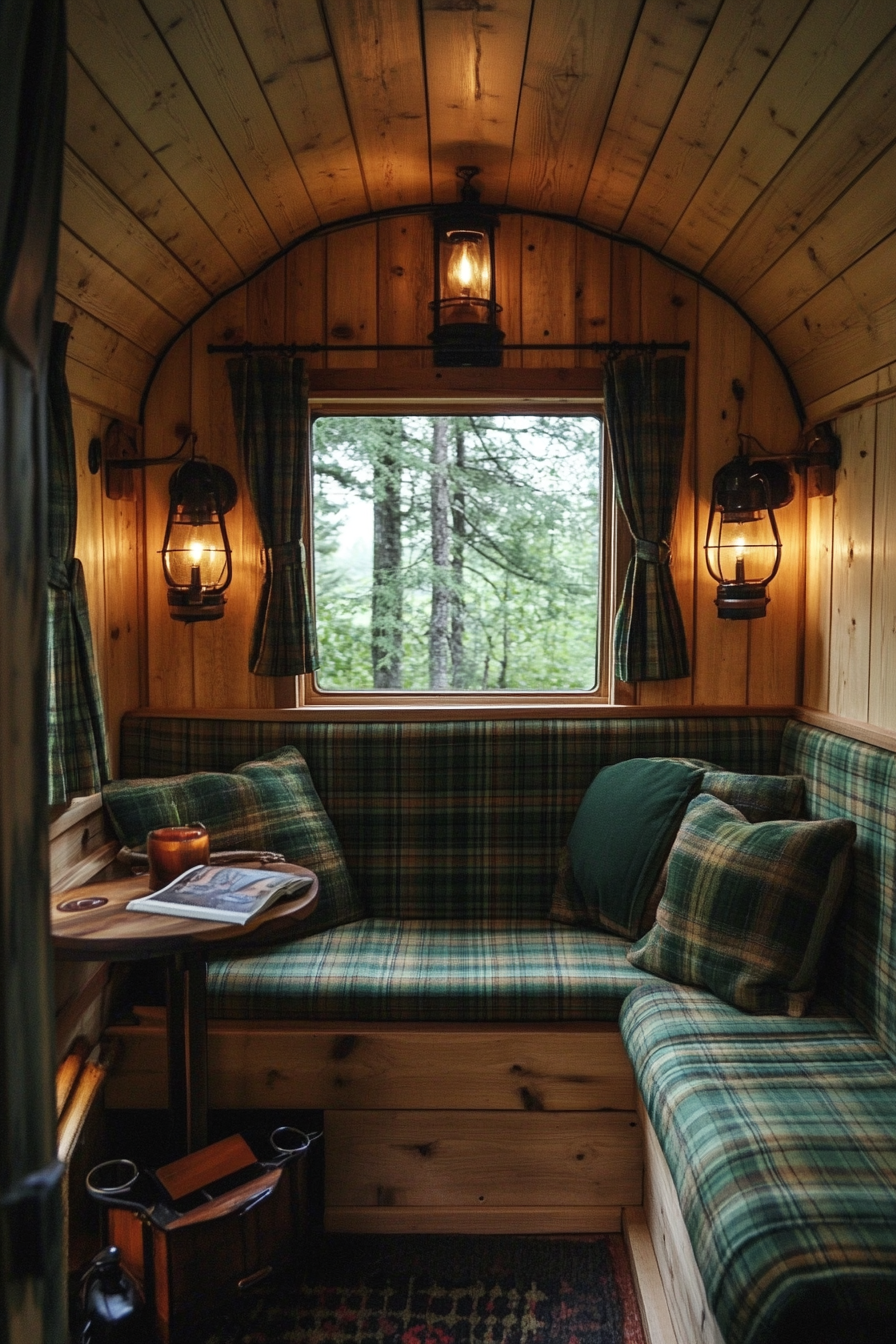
<point>196,553</point>
<point>465,311</point>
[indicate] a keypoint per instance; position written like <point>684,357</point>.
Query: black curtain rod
<point>612,348</point>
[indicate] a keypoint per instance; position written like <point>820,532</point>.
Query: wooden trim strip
<point>438,711</point>
<point>649,1290</point>
<point>524,1219</point>
<point>73,1009</point>
<point>107,411</point>
<point>854,728</point>
<point>76,811</point>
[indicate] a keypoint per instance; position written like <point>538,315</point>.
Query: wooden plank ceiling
<point>751,141</point>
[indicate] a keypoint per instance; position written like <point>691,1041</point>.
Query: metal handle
<point>255,1201</point>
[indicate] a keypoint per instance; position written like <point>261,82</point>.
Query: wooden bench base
<point>432,1127</point>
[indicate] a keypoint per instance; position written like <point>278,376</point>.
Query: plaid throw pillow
<point>758,797</point>
<point>747,906</point>
<point>270,803</point>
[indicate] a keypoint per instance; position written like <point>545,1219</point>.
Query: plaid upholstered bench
<point>776,1136</point>
<point>464,1048</point>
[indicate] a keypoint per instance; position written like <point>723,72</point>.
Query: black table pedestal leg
<point>178,1103</point>
<point>197,1053</point>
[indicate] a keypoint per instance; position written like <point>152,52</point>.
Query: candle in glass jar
<point>171,850</point>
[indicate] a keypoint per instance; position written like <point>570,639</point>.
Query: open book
<point>234,895</point>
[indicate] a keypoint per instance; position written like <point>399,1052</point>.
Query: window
<point>459,553</point>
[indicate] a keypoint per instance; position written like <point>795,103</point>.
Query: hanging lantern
<point>196,553</point>
<point>743,545</point>
<point>465,332</point>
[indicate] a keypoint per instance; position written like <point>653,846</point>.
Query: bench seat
<point>435,970</point>
<point>780,1135</point>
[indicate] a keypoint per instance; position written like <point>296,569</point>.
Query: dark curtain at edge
<point>645,405</point>
<point>32,117</point>
<point>76,728</point>
<point>270,406</point>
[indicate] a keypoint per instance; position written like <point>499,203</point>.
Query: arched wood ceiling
<point>751,141</point>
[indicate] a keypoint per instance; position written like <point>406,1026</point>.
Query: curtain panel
<point>645,405</point>
<point>77,747</point>
<point>270,406</point>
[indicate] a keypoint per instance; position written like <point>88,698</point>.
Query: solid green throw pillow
<point>270,803</point>
<point>622,833</point>
<point>747,906</point>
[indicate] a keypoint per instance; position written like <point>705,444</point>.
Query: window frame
<point>428,392</point>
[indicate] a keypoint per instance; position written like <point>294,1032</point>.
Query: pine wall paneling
<point>372,282</point>
<point>850,651</point>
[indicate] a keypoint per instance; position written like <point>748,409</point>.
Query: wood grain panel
<point>508,285</point>
<point>352,1066</point>
<point>669,313</point>
<point>119,46</point>
<point>692,1316</point>
<point>95,390</point>
<point>121,633</point>
<point>404,255</point>
<point>852,226</point>
<point>107,145</point>
<point>84,278</point>
<point>306,296</point>
<point>169,646</point>
<point>221,648</point>
<point>863,342</point>
<point>736,56</point>
<point>100,348</point>
<point>89,536</point>
<point>575,57</point>
<point>494,1158</point>
<point>667,42</point>
<point>819,560</point>
<point>293,62</point>
<point>377,46</point>
<point>655,1318</point>
<point>548,271</point>
<point>474,71</point>
<point>776,643</point>
<point>720,647</point>
<point>851,579</point>
<point>352,295</point>
<point>592,294</point>
<point>882,672</point>
<point>829,44</point>
<point>202,39</point>
<point>857,128</point>
<point>96,216</point>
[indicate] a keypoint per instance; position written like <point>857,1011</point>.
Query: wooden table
<point>97,931</point>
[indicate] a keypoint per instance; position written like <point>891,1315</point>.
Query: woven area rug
<point>444,1290</point>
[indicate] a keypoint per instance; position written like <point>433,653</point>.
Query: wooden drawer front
<point>481,1158</point>
<point>346,1066</point>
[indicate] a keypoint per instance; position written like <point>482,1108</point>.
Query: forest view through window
<point>457,552</point>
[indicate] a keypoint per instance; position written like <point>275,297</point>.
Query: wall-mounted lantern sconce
<point>196,556</point>
<point>465,331</point>
<point>743,544</point>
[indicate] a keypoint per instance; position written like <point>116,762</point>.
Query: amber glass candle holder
<point>171,850</point>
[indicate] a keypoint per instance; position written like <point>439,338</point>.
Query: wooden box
<point>223,1243</point>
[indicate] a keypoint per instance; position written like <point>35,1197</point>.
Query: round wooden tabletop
<point>110,930</point>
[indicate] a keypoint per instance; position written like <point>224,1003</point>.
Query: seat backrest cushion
<point>845,778</point>
<point>451,820</point>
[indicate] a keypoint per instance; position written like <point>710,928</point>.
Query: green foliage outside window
<point>457,552</point>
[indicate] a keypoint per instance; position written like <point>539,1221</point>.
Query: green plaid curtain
<point>645,406</point>
<point>78,753</point>
<point>270,405</point>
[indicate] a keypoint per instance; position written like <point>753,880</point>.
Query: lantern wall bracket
<point>117,452</point>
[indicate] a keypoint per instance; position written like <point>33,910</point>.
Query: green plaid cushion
<point>780,1134</point>
<point>619,841</point>
<point>852,779</point>
<point>266,804</point>
<point>747,907</point>
<point>398,970</point>
<point>450,820</point>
